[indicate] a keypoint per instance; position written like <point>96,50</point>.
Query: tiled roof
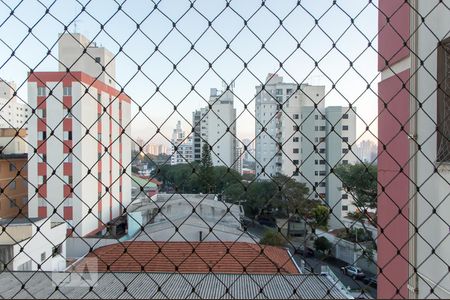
<point>184,257</point>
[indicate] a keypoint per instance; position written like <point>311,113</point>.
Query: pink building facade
<point>413,202</point>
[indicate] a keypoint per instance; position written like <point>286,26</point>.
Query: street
<point>314,264</point>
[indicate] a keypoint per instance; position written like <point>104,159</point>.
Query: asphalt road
<point>314,264</point>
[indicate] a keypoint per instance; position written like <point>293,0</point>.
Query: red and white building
<point>81,132</point>
<point>414,160</point>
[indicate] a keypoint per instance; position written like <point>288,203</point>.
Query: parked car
<point>354,272</point>
<point>308,253</point>
<point>372,281</point>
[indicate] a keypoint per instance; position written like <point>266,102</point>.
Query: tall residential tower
<point>77,173</point>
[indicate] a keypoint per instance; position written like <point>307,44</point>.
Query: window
<point>68,158</point>
<point>345,116</point>
<point>295,150</point>
<point>316,128</point>
<point>43,257</point>
<point>57,250</point>
<point>322,173</point>
<point>42,135</point>
<point>322,150</point>
<point>345,139</point>
<point>278,92</point>
<point>295,139</point>
<point>41,113</point>
<point>12,167</point>
<point>67,113</point>
<point>345,151</point>
<point>41,91</point>
<point>296,128</point>
<point>67,91</point>
<point>295,161</point>
<point>67,135</point>
<point>443,102</point>
<point>68,179</point>
<point>322,162</point>
<point>322,128</point>
<point>345,196</point>
<point>345,127</point>
<point>24,200</point>
<point>12,203</point>
<point>344,207</point>
<point>295,116</point>
<point>316,117</point>
<point>42,179</point>
<point>97,59</point>
<point>322,184</point>
<point>345,162</point>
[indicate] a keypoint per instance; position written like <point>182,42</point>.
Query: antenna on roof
<point>75,25</point>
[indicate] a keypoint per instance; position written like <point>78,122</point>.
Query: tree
<point>321,215</point>
<point>273,238</point>
<point>360,181</point>
<point>292,195</point>
<point>322,244</point>
<point>206,173</point>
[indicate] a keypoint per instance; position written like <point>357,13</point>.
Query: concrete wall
<point>42,243</point>
<point>434,279</point>
<point>393,148</point>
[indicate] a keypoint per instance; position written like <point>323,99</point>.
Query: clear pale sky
<point>120,30</point>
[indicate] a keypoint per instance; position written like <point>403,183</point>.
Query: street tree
<point>273,238</point>
<point>206,172</point>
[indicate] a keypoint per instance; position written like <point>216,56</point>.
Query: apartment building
<point>216,125</point>
<point>13,173</point>
<point>296,135</point>
<point>79,172</point>
<point>13,112</point>
<point>181,147</point>
<point>413,152</point>
<point>200,134</point>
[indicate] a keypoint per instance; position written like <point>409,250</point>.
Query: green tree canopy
<point>322,244</point>
<point>273,238</point>
<point>206,172</point>
<point>360,181</point>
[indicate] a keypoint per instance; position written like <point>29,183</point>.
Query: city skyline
<point>298,67</point>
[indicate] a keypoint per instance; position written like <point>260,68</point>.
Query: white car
<point>354,272</point>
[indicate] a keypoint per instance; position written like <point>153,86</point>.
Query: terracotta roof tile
<point>184,257</point>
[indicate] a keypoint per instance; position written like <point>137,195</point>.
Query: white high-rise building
<point>78,174</point>
<point>296,135</point>
<point>216,125</point>
<point>268,124</point>
<point>181,147</point>
<point>13,113</point>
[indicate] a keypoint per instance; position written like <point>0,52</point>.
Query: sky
<point>156,27</point>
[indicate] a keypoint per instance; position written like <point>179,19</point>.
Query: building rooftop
<point>189,257</point>
<point>19,221</point>
<point>14,156</point>
<point>166,286</point>
<point>142,182</point>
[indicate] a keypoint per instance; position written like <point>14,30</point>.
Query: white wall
<point>42,242</point>
<point>434,187</point>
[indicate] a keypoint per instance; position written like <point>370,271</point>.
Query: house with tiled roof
<point>185,257</point>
